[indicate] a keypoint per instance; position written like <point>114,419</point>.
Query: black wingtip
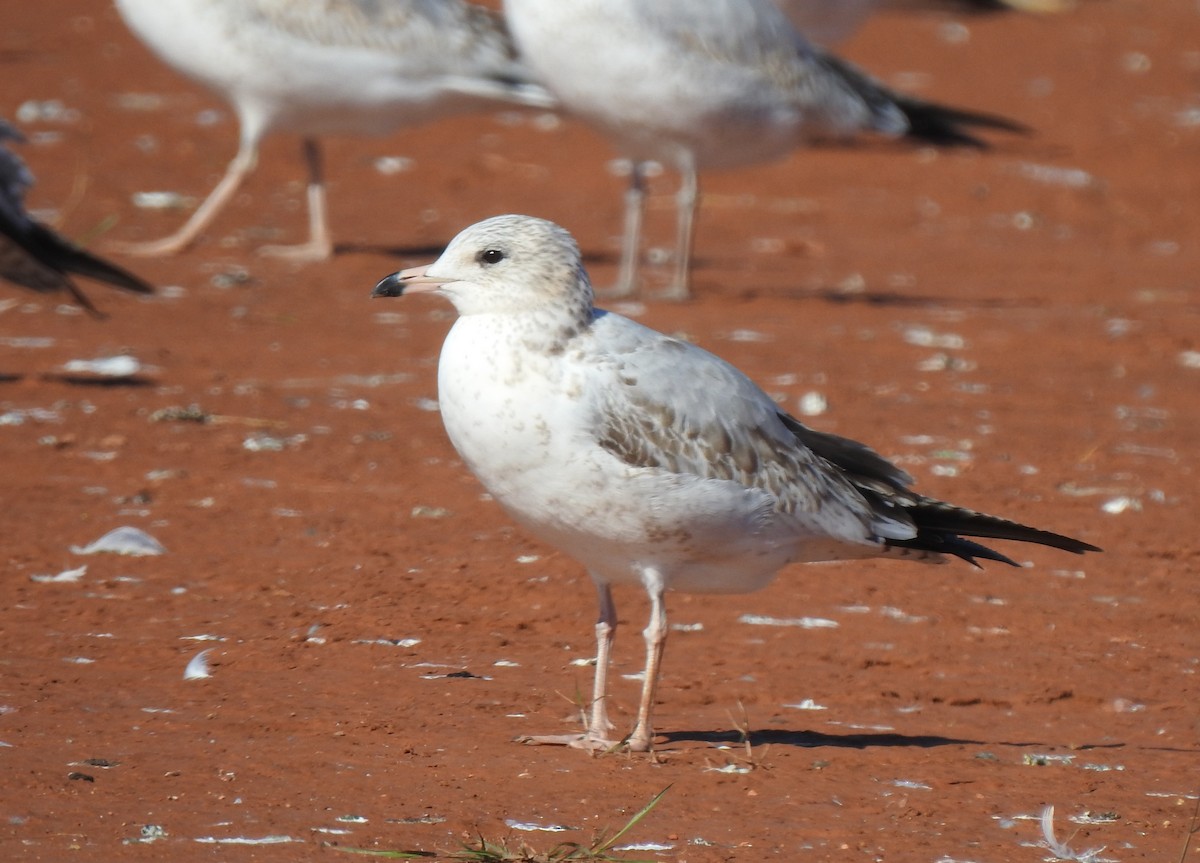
<point>944,528</point>
<point>947,127</point>
<point>82,299</point>
<point>389,286</point>
<point>1075,546</point>
<point>76,260</point>
<point>943,125</point>
<point>36,256</point>
<point>972,552</point>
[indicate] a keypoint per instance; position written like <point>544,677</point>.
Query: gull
<point>697,84</point>
<point>647,459</point>
<point>34,256</point>
<point>316,68</point>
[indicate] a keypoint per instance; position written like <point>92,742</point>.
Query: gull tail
<point>34,256</point>
<point>904,116</point>
<point>501,74</point>
<point>943,528</point>
<point>947,126</point>
<point>72,259</point>
<point>52,259</point>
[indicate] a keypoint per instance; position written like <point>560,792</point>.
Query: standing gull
<point>699,84</point>
<point>323,67</point>
<point>648,459</point>
<point>35,257</point>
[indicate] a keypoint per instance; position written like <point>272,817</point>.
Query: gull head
<point>504,265</point>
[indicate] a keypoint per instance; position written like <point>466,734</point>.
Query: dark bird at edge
<point>33,255</point>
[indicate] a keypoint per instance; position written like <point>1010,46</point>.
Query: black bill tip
<point>389,286</point>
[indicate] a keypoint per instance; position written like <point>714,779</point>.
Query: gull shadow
<point>430,251</point>
<point>814,739</point>
<point>891,299</point>
<point>831,295</point>
<point>601,258</point>
<point>90,381</point>
<point>895,299</point>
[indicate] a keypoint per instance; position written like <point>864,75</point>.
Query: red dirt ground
<point>1018,328</point>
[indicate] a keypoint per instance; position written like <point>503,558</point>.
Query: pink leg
<point>606,630</point>
<point>320,243</point>
<point>686,202</point>
<point>595,737</point>
<point>631,242</point>
<point>241,166</point>
<point>656,642</point>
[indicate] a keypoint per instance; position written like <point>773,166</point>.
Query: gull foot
<point>150,248</point>
<point>673,293</point>
<point>303,253</point>
<point>588,742</point>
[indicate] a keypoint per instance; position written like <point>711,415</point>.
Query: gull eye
<point>491,256</point>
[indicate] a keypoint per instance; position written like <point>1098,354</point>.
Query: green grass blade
<point>387,855</point>
<point>604,844</point>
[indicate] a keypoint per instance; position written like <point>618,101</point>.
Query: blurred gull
<point>648,459</point>
<point>700,84</point>
<point>34,256</point>
<point>315,68</point>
